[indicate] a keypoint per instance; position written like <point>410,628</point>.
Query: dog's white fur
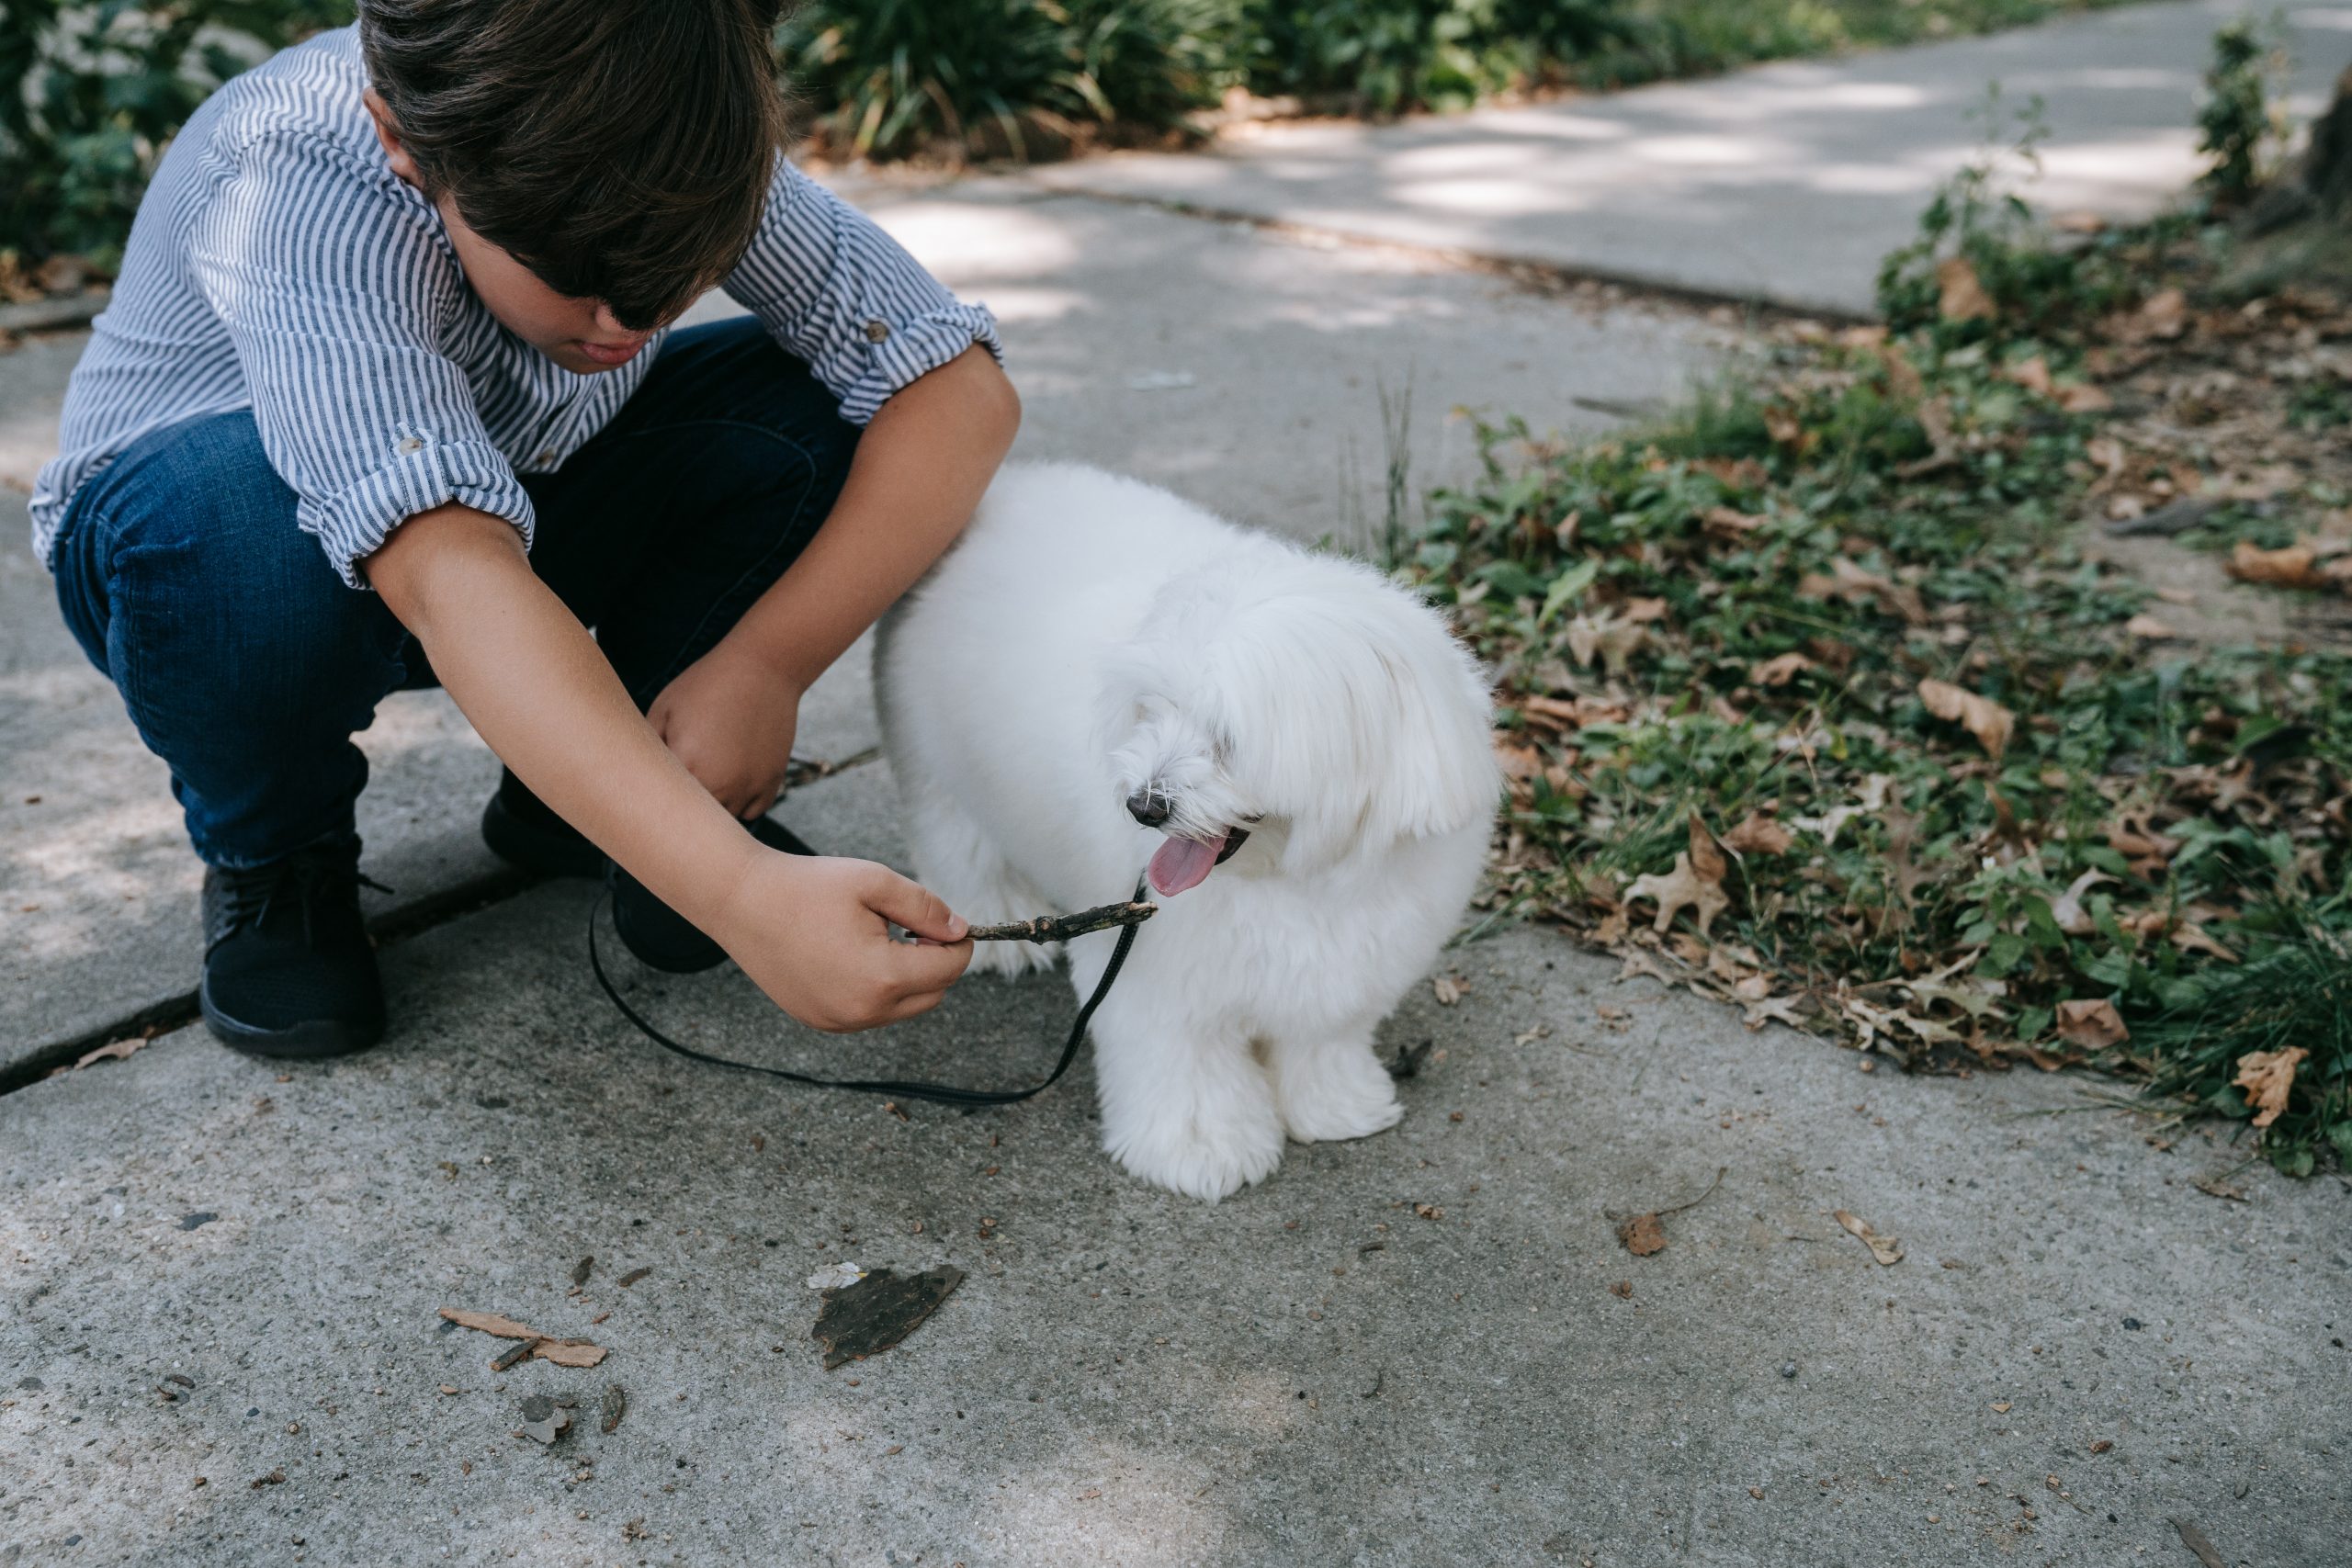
<point>1091,637</point>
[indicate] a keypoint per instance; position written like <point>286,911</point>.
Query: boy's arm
<point>810,932</point>
<point>920,470</point>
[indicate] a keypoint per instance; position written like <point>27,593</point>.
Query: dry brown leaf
<point>2067,909</point>
<point>1447,989</point>
<point>1641,1235</point>
<point>2091,1023</point>
<point>2297,566</point>
<point>1772,1009</point>
<point>1885,1248</point>
<point>1613,639</point>
<point>1696,883</point>
<point>2267,1078</point>
<point>1729,524</point>
<point>1897,598</point>
<point>2190,937</point>
<point>1780,669</point>
<point>1981,716</point>
<point>490,1322</point>
<point>1622,1290</point>
<point>563,1352</point>
<point>1757,834</point>
<point>113,1051</point>
<point>2146,625</point>
<point>2164,314</point>
<point>1959,296</point>
<point>2033,375</point>
<point>1519,762</point>
<point>2081,397</point>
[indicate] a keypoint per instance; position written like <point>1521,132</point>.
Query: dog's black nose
<point>1149,807</point>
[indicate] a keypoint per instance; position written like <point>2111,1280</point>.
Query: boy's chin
<point>569,357</point>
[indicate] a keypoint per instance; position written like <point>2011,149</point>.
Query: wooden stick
<point>1061,927</point>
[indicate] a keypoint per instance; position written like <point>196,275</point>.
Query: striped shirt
<point>277,264</point>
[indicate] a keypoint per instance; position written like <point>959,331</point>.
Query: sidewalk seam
<point>1544,277</point>
<point>428,912</point>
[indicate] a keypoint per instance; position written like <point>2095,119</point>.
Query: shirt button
<point>877,330</point>
<point>411,443</point>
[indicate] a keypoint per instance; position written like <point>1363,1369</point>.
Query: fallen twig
<point>1061,927</point>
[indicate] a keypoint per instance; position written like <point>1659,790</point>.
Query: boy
<point>385,396</point>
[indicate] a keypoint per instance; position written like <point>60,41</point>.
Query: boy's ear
<point>387,134</point>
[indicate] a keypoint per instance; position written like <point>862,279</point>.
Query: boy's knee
<point>200,550</point>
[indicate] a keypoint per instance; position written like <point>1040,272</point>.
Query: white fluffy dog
<point>1100,679</point>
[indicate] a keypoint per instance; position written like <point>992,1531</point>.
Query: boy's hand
<point>730,717</point>
<point>814,933</point>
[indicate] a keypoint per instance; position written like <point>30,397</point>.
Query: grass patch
<point>1811,697</point>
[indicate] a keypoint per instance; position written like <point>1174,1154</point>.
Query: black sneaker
<point>661,938</point>
<point>522,830</point>
<point>288,970</point>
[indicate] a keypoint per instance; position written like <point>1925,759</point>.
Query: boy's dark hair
<point>619,149</point>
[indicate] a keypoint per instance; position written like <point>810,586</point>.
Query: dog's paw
<point>1014,959</point>
<point>1332,1094</point>
<point>1207,1158</point>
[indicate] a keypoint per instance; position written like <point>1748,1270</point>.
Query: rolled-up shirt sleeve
<point>841,295</point>
<point>335,287</point>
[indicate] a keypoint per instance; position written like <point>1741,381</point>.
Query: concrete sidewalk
<point>1785,184</point>
<point>1426,1348</point>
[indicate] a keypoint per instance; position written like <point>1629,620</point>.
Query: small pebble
<point>537,1407</point>
<point>1788,1368</point>
<point>2131,1323</point>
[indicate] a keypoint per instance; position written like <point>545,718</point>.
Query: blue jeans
<point>248,666</point>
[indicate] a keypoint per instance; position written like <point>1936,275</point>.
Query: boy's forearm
<point>919,472</point>
<point>537,688</point>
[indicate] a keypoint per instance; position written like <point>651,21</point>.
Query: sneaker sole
<point>314,1041</point>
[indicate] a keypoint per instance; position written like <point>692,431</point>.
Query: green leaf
<point>1565,588</point>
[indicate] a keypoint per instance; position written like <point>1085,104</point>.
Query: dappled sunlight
<point>1027,305</point>
<point>1014,242</point>
<point>1788,181</point>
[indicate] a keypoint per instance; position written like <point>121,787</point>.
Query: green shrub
<point>894,77</point>
<point>1386,56</point>
<point>97,91</point>
<point>2238,126</point>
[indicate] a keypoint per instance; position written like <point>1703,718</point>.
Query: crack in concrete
<point>1547,278</point>
<point>426,912</point>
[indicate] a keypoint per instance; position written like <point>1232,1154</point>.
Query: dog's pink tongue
<point>1184,862</point>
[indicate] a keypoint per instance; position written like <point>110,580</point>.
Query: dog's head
<point>1302,700</point>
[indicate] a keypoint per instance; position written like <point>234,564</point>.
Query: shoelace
<point>251,895</point>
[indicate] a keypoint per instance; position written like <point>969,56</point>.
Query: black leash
<point>940,1094</point>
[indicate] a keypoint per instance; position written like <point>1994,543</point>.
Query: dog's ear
<point>1357,714</point>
